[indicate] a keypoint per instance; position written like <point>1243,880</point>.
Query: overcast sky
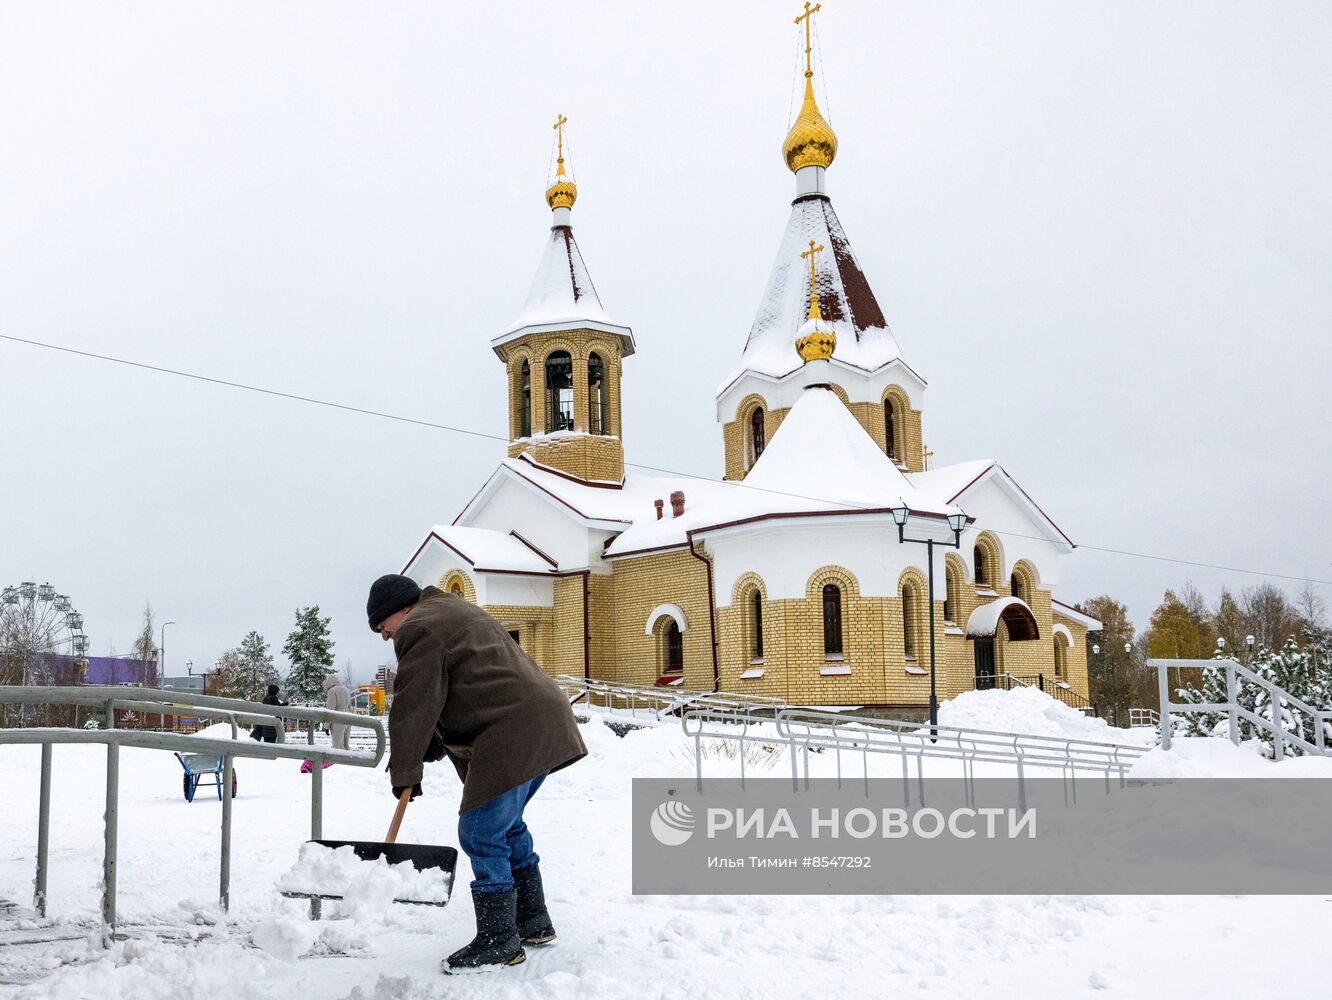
<point>1101,231</point>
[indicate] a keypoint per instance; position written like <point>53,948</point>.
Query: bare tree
<point>346,676</point>
<point>143,646</point>
<point>1269,615</point>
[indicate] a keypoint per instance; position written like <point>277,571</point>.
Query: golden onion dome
<point>811,141</point>
<point>564,192</point>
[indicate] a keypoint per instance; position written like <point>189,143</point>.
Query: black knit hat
<point>391,592</point>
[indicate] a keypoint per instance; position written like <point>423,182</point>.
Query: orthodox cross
<point>928,455</point>
<point>808,17</point>
<point>813,290</point>
<point>560,122</point>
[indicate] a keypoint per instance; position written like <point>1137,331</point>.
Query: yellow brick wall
<point>640,585</point>
<point>868,415</point>
<point>598,456</point>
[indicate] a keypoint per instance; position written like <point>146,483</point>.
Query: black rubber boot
<point>534,925</point>
<point>496,942</point>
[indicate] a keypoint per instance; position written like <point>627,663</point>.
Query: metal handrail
<point>818,731</point>
<point>1235,672</point>
<point>1140,718</point>
<point>660,700</point>
<point>233,710</point>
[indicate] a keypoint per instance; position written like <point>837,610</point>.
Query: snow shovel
<point>422,856</point>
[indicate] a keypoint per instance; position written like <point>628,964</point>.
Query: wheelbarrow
<point>421,856</point>
<point>199,766</point>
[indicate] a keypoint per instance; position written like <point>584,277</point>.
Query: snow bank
<point>222,731</point>
<point>1210,757</point>
<point>1030,710</point>
<point>366,887</point>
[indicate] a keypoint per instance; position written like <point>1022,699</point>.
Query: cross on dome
<point>811,141</point>
<point>563,193</point>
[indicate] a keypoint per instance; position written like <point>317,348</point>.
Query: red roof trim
<point>553,564</point>
<point>598,484</point>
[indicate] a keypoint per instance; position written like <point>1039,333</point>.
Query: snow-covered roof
<point>951,483</point>
<point>1074,615</point>
<point>845,299</point>
<point>562,296</point>
<point>485,549</point>
<point>820,461</point>
<point>614,506</point>
<point>1013,611</point>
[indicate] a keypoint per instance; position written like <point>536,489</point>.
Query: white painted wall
<point>515,506</point>
<point>861,387</point>
<point>995,510</point>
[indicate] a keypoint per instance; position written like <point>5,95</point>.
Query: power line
<point>454,429</point>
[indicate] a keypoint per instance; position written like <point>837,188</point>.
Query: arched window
<point>1060,656</point>
<point>910,628</point>
<point>982,578</point>
<point>890,428</point>
<point>951,593</point>
<point>674,648</point>
<point>757,439</point>
<point>596,397</point>
<point>525,418</point>
<point>559,392</point>
<point>832,620</point>
<point>1015,587</point>
<point>756,623</point>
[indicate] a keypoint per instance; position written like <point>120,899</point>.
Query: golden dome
<point>815,340</point>
<point>564,192</point>
<point>811,141</point>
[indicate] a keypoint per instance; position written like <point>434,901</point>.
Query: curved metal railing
<point>237,712</point>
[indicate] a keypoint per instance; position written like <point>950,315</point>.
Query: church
<point>830,565</point>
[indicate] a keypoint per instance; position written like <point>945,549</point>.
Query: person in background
<point>339,700</point>
<point>268,734</point>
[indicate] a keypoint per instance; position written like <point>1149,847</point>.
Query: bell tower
<point>563,355</point>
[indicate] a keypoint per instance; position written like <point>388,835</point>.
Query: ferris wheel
<point>41,636</point>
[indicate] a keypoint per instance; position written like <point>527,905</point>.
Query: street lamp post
<point>1248,641</point>
<point>956,522</point>
<point>161,671</point>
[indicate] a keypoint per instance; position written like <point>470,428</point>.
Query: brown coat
<point>465,684</point>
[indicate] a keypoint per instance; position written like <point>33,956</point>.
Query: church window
<point>1060,656</point>
<point>757,439</point>
<point>757,623</point>
<point>982,580</point>
<point>909,637</point>
<point>596,398</point>
<point>525,417</point>
<point>559,392</point>
<point>890,428</point>
<point>950,607</point>
<point>832,620</point>
<point>1015,587</point>
<point>674,648</point>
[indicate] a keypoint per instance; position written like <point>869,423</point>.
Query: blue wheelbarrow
<point>199,766</point>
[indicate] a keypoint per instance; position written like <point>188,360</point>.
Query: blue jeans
<point>495,838</point>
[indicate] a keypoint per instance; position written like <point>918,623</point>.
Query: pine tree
<point>256,667</point>
<point>1288,669</point>
<point>309,647</point>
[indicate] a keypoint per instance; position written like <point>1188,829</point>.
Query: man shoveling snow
<point>467,691</point>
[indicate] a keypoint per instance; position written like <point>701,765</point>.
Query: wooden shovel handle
<point>403,799</point>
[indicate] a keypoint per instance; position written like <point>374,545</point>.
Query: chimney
<point>659,504</point>
<point>677,503</point>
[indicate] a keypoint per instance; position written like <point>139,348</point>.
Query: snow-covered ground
<point>612,944</point>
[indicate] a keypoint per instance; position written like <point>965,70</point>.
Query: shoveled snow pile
<point>1030,710</point>
<point>363,885</point>
<point>1212,757</point>
<point>222,731</point>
